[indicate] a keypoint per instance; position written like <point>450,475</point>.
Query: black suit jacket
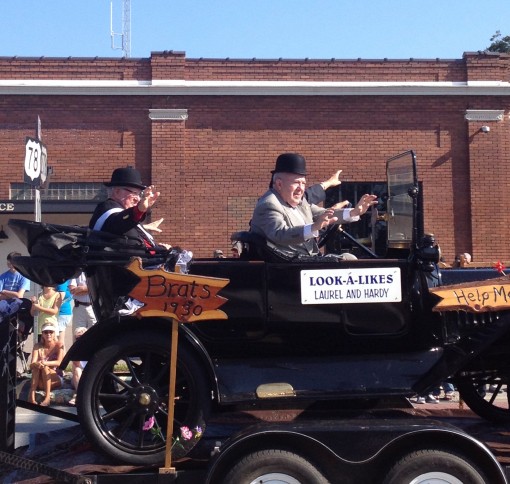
<point>121,221</point>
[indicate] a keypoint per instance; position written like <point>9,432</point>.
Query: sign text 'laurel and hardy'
<point>333,286</point>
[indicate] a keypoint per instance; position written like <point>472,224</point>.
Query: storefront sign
<point>350,286</point>
<point>7,207</point>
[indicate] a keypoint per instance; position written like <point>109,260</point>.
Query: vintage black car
<point>297,330</point>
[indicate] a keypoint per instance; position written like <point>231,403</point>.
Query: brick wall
<point>212,166</point>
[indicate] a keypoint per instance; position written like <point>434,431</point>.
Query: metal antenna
<point>126,28</point>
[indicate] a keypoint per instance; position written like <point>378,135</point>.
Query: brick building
<point>207,132</point>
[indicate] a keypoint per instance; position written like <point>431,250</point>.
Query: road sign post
<point>36,169</point>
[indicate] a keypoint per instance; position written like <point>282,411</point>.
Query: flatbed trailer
<point>277,329</point>
<point>342,446</point>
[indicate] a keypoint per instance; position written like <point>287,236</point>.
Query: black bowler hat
<point>126,177</point>
<point>290,163</point>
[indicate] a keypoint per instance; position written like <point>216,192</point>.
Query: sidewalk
<point>455,404</point>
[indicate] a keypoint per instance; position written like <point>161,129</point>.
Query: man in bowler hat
<point>287,220</point>
<point>126,207</point>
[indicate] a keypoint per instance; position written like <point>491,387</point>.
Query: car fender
<point>107,331</point>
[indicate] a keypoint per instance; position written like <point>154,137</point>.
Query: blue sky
<point>266,29</point>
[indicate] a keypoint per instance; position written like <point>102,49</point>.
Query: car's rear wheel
<point>123,399</point>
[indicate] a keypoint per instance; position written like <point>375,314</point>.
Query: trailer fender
<point>360,451</point>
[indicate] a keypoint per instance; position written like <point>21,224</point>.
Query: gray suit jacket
<point>282,225</point>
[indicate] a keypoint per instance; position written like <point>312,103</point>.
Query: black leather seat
<point>255,247</point>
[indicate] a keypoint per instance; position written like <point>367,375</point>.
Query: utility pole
<point>126,28</point>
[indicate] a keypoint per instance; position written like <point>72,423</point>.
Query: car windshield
<point>401,182</point>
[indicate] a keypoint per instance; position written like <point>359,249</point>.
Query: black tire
<point>429,465</point>
<point>126,383</point>
<point>490,404</point>
<point>274,465</point>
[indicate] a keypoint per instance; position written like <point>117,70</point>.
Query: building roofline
<point>248,88</point>
<point>239,59</point>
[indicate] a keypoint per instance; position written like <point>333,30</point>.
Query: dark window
<point>81,191</point>
<point>361,230</point>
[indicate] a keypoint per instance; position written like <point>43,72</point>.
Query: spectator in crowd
<point>77,366</point>
<point>462,260</point>
<point>448,391</point>
<point>218,254</point>
<point>237,249</point>
<point>46,306</point>
<point>46,358</point>
<point>83,312</point>
<point>12,288</point>
<point>465,259</point>
<point>428,398</point>
<point>65,315</point>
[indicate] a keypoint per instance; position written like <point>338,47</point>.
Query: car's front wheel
<point>123,399</point>
<point>486,393</point>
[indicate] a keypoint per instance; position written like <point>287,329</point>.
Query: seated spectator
<point>46,358</point>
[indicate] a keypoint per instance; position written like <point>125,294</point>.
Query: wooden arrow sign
<point>476,297</point>
<point>184,297</point>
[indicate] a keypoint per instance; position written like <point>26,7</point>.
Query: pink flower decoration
<point>149,423</point>
<point>500,267</point>
<point>186,433</point>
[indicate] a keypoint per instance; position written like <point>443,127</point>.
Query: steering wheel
<point>333,228</point>
<point>326,234</point>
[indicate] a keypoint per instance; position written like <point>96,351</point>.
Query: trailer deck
<point>68,457</point>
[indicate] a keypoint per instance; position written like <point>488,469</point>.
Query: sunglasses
<point>134,193</point>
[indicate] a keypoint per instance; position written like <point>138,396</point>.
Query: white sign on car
<point>348,286</point>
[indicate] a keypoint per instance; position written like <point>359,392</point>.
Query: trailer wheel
<point>123,399</point>
<point>274,466</point>
<point>426,466</point>
<point>488,397</point>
